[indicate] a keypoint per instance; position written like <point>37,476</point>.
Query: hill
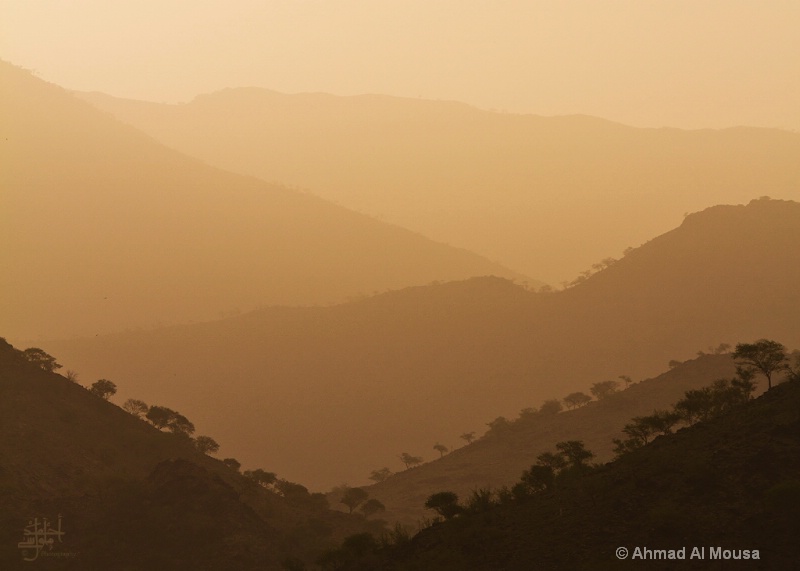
<point>504,452</point>
<point>547,196</point>
<point>729,483</point>
<point>354,385</point>
<point>132,496</point>
<point>104,229</point>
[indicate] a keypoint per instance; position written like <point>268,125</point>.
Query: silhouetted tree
<point>445,504</point>
<point>232,463</point>
<point>261,477</point>
<point>574,451</point>
<point>410,460</point>
<point>41,359</point>
<point>468,436</point>
<point>696,405</point>
<point>441,449</point>
<point>498,424</point>
<point>604,388</point>
<point>159,416</point>
<point>380,475</point>
<point>162,417</point>
<point>181,425</point>
<point>372,506</point>
<point>552,406</point>
<point>137,408</point>
<point>103,388</point>
<point>555,462</point>
<point>71,376</point>
<point>206,445</point>
<point>353,497</point>
<point>574,400</point>
<point>538,477</point>
<point>765,355</point>
<point>627,380</point>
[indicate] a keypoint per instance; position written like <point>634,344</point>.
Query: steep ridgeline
<point>547,196</point>
<point>721,494</point>
<point>352,386</point>
<point>130,496</point>
<point>104,229</point>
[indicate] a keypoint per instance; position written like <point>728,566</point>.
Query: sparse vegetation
<point>103,388</point>
<point>41,359</point>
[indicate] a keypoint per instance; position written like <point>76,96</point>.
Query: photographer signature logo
<point>39,537</point>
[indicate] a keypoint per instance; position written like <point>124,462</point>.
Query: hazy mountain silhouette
<point>132,496</point>
<point>547,196</point>
<point>104,228</point>
<point>352,386</point>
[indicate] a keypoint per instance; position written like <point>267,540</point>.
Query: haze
<point>644,63</point>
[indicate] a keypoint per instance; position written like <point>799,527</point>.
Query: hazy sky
<point>686,63</point>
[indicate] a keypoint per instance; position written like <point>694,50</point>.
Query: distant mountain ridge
<point>354,385</point>
<point>104,229</point>
<point>547,196</point>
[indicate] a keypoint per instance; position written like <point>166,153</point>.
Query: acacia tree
<point>604,388</point>
<point>206,445</point>
<point>232,463</point>
<point>353,497</point>
<point>380,475</point>
<point>41,359</point>
<point>468,436</point>
<point>552,406</point>
<point>371,507</point>
<point>574,452</point>
<point>575,400</point>
<point>441,449</point>
<point>261,477</point>
<point>410,460</point>
<point>103,388</point>
<point>445,504</point>
<point>137,408</point>
<point>766,356</point>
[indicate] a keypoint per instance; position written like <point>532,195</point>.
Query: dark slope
<point>104,229</point>
<point>547,196</point>
<point>500,457</point>
<point>353,386</point>
<point>132,497</point>
<point>731,482</point>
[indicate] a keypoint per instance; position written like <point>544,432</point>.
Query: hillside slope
<point>352,386</point>
<point>130,493</point>
<point>501,455</point>
<point>548,196</point>
<point>104,229</point>
<point>730,483</point>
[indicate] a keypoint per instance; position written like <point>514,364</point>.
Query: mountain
<point>547,196</point>
<point>131,496</point>
<point>725,485</point>
<point>354,385</point>
<point>105,229</point>
<point>499,458</point>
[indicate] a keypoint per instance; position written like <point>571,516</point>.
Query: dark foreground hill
<point>547,196</point>
<point>104,229</point>
<point>130,496</point>
<point>731,483</point>
<point>352,386</point>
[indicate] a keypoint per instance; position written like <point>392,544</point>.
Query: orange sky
<point>684,63</point>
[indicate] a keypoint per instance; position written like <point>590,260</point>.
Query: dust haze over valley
<point>382,246</point>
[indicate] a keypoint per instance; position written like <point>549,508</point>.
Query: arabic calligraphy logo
<point>39,536</point>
